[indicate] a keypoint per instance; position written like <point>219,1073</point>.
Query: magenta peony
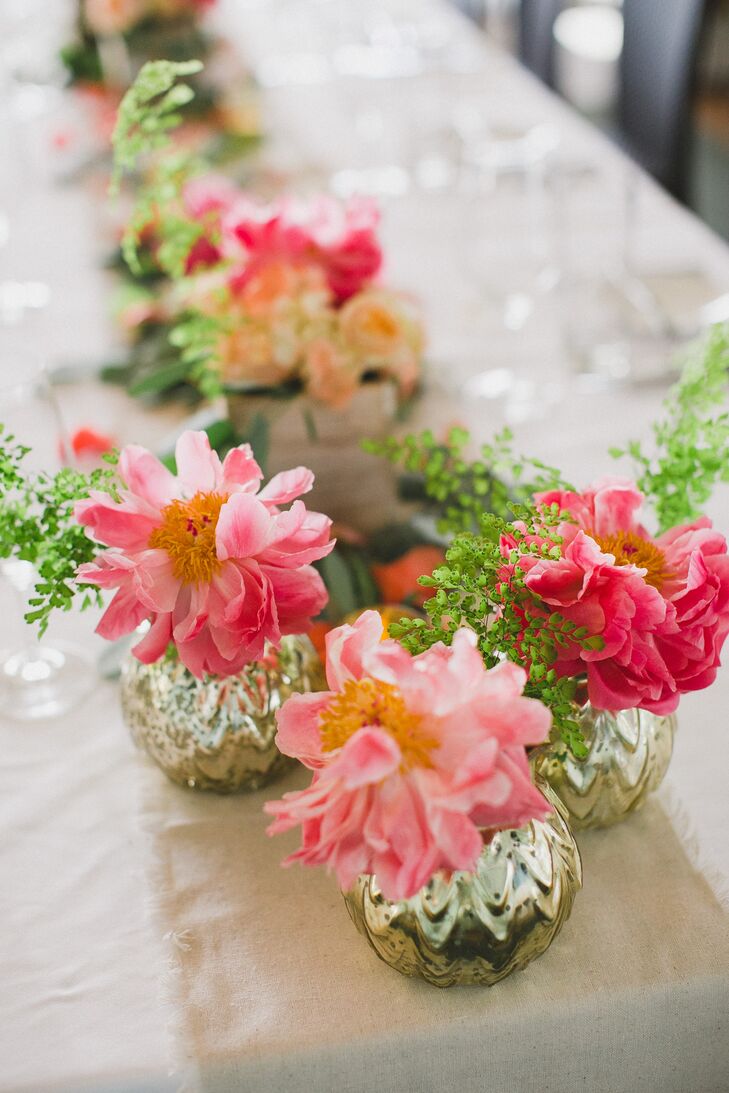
<point>660,605</point>
<point>338,237</point>
<point>413,757</point>
<point>208,557</point>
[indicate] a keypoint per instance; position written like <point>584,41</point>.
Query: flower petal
<point>198,467</point>
<point>154,643</point>
<point>348,645</point>
<point>244,527</point>
<point>144,475</point>
<point>287,486</point>
<point>298,727</point>
<point>240,469</point>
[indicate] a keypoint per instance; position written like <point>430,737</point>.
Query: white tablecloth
<point>149,938</point>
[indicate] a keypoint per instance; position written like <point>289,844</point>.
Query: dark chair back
<point>536,45</point>
<point>658,67</point>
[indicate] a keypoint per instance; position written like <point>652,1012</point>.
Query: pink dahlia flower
<point>660,605</point>
<point>413,757</point>
<point>339,238</point>
<point>206,555</point>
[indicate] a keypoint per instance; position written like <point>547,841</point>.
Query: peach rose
<point>383,331</point>
<point>332,375</point>
<point>249,354</point>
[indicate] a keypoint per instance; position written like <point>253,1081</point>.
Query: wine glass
<point>37,679</point>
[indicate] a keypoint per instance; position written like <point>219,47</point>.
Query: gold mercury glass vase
<point>478,927</point>
<point>627,758</point>
<point>217,733</point>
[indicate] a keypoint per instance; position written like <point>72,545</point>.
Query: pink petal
<point>114,524</point>
<point>154,643</point>
<point>300,595</point>
<point>368,756</point>
<point>244,527</point>
<point>155,584</point>
<point>123,615</point>
<point>198,467</point>
<point>240,468</point>
<point>298,537</point>
<point>190,611</point>
<point>298,727</point>
<point>287,486</point>
<point>616,500</point>
<point>347,645</point>
<point>144,475</point>
<point>458,839</point>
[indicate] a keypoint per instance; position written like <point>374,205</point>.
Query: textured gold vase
<point>478,927</point>
<point>628,757</point>
<point>217,733</point>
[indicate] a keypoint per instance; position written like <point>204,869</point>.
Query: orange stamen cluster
<point>366,703</point>
<point>630,549</point>
<point>187,533</point>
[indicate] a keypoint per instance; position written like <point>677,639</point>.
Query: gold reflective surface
<point>478,927</point>
<point>217,734</point>
<point>628,757</point>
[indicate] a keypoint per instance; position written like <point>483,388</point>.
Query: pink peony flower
<point>661,606</point>
<point>340,238</point>
<point>412,756</point>
<point>208,557</point>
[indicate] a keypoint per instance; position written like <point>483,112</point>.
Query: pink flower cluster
<point>338,238</point>
<point>297,278</point>
<point>660,605</point>
<point>413,757</point>
<point>206,555</point>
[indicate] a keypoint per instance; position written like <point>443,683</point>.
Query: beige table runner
<point>278,991</point>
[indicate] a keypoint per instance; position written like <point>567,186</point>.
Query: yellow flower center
<point>380,324</point>
<point>630,549</point>
<point>367,703</point>
<point>187,533</point>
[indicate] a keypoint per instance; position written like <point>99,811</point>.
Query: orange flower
<point>398,580</point>
<point>317,634</point>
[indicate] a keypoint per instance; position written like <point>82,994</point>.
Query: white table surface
<point>96,992</point>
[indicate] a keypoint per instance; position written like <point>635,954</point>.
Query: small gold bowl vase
<point>628,756</point>
<point>478,927</point>
<point>217,733</point>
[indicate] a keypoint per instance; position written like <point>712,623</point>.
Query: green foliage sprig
<point>148,114</point>
<point>480,588</point>
<point>196,336</point>
<point>691,439</point>
<point>463,489</point>
<point>37,525</point>
<point>148,111</point>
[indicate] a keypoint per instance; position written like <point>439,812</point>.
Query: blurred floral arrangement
<point>115,38</point>
<point>280,298</point>
<point>143,29</point>
<point>570,583</point>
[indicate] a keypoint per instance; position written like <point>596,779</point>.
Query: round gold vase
<point>478,927</point>
<point>216,733</point>
<point>628,756</point>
